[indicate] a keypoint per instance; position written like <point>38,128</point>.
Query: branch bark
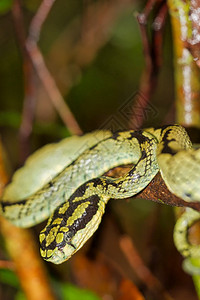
<point>23,251</point>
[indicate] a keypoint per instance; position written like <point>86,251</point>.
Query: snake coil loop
<point>65,181</point>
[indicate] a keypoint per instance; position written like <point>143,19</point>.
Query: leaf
<point>9,277</point>
<point>20,296</point>
<point>71,292</point>
<point>13,120</point>
<point>5,5</point>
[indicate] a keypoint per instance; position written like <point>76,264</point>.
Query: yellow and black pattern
<point>71,225</point>
<point>76,195</point>
<point>73,222</point>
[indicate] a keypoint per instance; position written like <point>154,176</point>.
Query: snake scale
<point>65,182</point>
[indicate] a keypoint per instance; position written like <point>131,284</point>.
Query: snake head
<point>56,245</point>
<point>70,227</point>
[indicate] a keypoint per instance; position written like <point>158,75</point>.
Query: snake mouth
<point>57,253</point>
<point>60,254</point>
<point>56,258</point>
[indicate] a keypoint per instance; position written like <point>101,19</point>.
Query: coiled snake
<point>65,181</point>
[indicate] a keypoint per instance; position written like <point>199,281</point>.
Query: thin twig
<point>42,71</point>
<point>141,270</point>
<point>29,85</point>
<point>36,58</point>
<point>39,19</point>
<point>7,264</point>
<point>152,48</point>
<point>51,88</point>
<point>158,27</point>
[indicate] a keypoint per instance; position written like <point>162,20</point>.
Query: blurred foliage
<point>71,292</point>
<point>9,277</point>
<point>5,5</point>
<point>64,291</point>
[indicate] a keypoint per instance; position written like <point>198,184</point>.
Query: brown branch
<point>129,291</point>
<point>157,191</point>
<point>6,264</point>
<point>102,275</point>
<point>18,23</point>
<point>152,48</point>
<point>42,71</point>
<point>28,264</point>
<point>33,55</point>
<point>24,252</point>
<point>51,88</point>
<point>29,85</point>
<point>158,28</point>
<point>39,19</point>
<point>141,270</point>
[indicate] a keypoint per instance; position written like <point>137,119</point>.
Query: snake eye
<point>67,237</point>
<point>187,195</point>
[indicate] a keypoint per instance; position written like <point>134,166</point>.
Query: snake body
<point>75,195</point>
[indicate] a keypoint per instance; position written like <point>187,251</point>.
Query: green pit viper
<point>65,181</point>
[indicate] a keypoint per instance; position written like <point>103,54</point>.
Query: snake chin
<point>60,255</point>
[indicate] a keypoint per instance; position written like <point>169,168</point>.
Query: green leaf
<point>71,292</point>
<point>13,120</point>
<point>9,277</point>
<point>20,296</point>
<point>5,5</point>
